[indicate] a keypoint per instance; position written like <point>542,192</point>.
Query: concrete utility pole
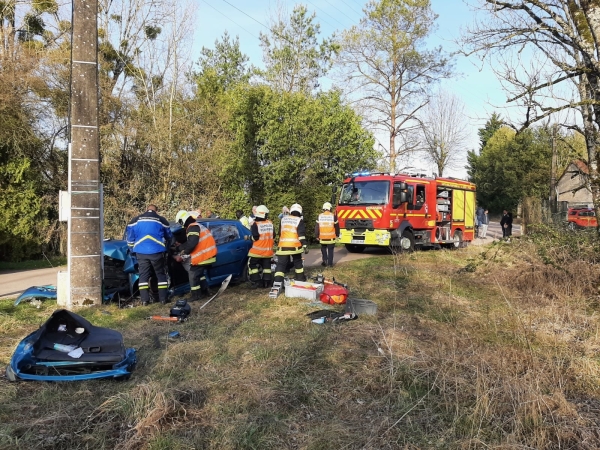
<point>85,240</point>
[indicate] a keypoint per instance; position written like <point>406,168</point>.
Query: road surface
<point>13,283</point>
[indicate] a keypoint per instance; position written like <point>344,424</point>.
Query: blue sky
<point>474,83</point>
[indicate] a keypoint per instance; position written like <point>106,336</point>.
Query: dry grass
<point>493,347</point>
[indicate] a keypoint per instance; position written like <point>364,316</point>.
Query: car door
<point>232,250</point>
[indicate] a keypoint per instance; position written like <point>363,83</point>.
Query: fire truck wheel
<point>458,239</point>
<point>407,242</point>
<point>352,248</point>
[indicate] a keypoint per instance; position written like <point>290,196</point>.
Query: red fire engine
<point>403,211</point>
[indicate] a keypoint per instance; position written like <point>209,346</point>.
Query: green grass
<point>450,361</point>
<point>34,264</point>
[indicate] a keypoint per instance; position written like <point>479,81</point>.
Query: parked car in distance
<point>581,218</point>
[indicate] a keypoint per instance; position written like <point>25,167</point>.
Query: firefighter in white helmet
<point>292,243</point>
<point>262,249</point>
<point>327,230</point>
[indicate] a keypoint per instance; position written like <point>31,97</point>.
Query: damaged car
<point>121,274</point>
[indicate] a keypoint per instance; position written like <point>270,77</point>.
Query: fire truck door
<point>469,209</point>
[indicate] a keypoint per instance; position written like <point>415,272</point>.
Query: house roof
<point>580,164</point>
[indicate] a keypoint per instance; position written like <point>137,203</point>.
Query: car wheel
<point>353,248</point>
<point>571,226</point>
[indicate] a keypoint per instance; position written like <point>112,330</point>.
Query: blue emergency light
<point>361,174</point>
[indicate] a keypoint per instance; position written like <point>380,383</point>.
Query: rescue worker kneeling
<point>201,251</point>
<point>262,249</point>
<point>292,243</point>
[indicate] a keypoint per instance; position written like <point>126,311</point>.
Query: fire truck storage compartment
<point>444,233</point>
<point>443,206</point>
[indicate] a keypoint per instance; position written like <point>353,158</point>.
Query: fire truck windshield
<point>365,193</point>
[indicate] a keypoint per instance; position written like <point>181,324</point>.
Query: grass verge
<point>34,264</point>
<point>487,347</point>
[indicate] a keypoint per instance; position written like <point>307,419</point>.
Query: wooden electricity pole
<point>85,240</point>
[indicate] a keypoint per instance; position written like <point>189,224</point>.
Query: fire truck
<point>403,211</point>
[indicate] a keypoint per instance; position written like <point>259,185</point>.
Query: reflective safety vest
<point>326,226</point>
<point>245,221</point>
<point>206,248</point>
<point>289,232</point>
<point>263,247</point>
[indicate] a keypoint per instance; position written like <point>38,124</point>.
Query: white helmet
<point>195,214</point>
<point>327,206</point>
<point>261,211</point>
<point>296,207</point>
<point>182,216</point>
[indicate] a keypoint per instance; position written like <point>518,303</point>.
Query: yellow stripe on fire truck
<point>360,214</point>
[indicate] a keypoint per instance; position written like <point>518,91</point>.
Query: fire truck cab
<point>403,211</point>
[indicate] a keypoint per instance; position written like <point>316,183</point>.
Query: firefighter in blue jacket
<point>149,237</point>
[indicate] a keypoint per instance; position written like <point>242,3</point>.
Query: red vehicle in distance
<point>581,218</point>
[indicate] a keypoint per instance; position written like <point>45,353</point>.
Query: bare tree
<point>385,62</point>
<point>444,130</point>
<point>564,36</point>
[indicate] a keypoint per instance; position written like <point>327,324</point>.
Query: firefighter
<point>197,253</point>
<point>262,249</point>
<point>239,214</point>
<point>327,230</point>
<point>148,236</point>
<point>292,243</point>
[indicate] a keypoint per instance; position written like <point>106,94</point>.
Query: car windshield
<point>365,193</point>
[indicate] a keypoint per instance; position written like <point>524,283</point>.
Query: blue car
<point>121,269</point>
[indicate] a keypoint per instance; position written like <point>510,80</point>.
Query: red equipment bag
<point>334,294</point>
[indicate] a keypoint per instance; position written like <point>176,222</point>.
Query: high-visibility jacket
<point>205,251</point>
<point>291,236</point>
<point>149,234</point>
<point>327,229</point>
<point>263,245</point>
<point>245,221</point>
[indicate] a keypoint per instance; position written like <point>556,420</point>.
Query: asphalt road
<point>13,283</point>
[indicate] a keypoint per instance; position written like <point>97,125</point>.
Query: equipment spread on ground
<point>327,316</point>
<point>403,211</point>
<point>224,285</point>
<point>179,313</point>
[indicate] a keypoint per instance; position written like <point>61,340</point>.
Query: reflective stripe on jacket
<point>326,222</point>
<point>206,249</point>
<point>289,240</point>
<point>148,234</point>
<point>263,246</point>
